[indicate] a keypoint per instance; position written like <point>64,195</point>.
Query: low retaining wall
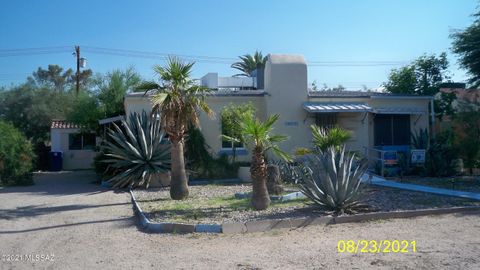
<point>273,224</point>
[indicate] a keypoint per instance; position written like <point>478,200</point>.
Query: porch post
<point>432,117</point>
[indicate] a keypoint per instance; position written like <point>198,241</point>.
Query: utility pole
<point>77,53</point>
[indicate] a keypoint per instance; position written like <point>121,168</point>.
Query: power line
<point>34,51</point>
<point>164,56</point>
<point>158,54</point>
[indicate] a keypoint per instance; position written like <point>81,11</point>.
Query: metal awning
<point>399,110</point>
<point>317,107</point>
<point>111,119</point>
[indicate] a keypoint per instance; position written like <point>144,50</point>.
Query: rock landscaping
<point>217,204</point>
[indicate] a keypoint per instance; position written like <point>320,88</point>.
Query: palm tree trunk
<point>178,185</point>
<point>258,170</point>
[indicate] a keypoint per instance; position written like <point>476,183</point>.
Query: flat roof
<point>335,107</point>
<point>219,93</point>
<point>363,94</point>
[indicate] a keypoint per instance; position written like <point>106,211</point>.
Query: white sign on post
<point>418,156</point>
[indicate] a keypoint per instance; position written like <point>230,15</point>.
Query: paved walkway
<point>379,181</point>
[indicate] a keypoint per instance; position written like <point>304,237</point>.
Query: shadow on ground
<point>36,210</point>
<point>124,222</point>
<point>62,200</point>
<point>61,183</point>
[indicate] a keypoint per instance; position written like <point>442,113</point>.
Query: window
<point>392,129</point>
<point>78,141</point>
<point>326,120</point>
<point>229,145</point>
<point>226,144</point>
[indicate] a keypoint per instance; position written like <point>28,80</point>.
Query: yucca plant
<point>331,179</point>
<point>324,138</point>
<point>135,149</point>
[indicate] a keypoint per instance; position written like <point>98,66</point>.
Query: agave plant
<point>289,170</point>
<point>331,179</point>
<point>136,151</point>
<point>324,138</point>
<point>421,139</point>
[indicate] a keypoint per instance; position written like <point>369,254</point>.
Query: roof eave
<point>401,97</point>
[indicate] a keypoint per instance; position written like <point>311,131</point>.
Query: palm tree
<point>257,137</point>
<point>249,63</point>
<point>177,99</point>
<point>328,137</point>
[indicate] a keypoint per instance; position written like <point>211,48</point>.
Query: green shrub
<point>216,168</point>
<point>231,117</point>
<point>16,156</point>
<point>331,179</point>
<point>196,149</point>
<point>324,138</point>
<point>467,126</point>
<point>201,164</point>
<point>440,152</point>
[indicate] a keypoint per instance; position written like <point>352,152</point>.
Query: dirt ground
<point>88,227</point>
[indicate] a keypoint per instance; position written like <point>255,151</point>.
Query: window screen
<point>81,141</point>
<point>74,141</point>
<point>326,120</point>
<point>89,141</point>
<point>392,129</point>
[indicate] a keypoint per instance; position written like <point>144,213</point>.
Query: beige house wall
<point>212,128</point>
<point>137,103</point>
<point>286,90</point>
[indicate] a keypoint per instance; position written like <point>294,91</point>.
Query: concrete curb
<point>282,198</point>
<point>169,227</point>
<point>274,224</point>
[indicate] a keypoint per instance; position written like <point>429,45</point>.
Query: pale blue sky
<point>367,30</point>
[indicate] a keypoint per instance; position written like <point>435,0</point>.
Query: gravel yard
<point>212,204</point>
<point>89,227</point>
<point>217,204</point>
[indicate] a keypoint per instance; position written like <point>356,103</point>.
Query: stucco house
<point>375,120</point>
<point>78,149</point>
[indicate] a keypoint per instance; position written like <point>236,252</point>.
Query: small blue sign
<point>291,123</point>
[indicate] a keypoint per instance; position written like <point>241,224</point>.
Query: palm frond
<point>147,86</point>
<point>249,63</point>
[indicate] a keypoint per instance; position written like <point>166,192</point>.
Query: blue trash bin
<point>55,161</point>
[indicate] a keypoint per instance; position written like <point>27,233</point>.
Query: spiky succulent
<point>289,171</point>
<point>331,179</point>
<point>136,151</point>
